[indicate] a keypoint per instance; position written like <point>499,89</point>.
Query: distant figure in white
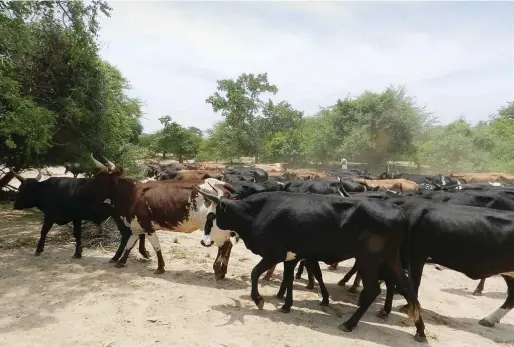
<point>344,164</point>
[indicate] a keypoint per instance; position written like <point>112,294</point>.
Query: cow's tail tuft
<point>414,311</point>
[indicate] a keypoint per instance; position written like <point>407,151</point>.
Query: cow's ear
<point>119,172</point>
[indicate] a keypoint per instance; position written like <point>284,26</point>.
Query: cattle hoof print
<point>486,323</point>
<point>419,338</point>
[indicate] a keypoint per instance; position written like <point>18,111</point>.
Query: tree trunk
<point>6,179</point>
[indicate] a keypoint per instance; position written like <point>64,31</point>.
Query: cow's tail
<point>414,309</point>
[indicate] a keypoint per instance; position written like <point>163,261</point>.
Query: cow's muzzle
<point>206,241</point>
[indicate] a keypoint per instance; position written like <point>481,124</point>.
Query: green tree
<point>174,139</point>
<point>239,101</point>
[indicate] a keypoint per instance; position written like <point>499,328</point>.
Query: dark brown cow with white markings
<point>157,205</point>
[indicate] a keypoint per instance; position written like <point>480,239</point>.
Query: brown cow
<point>157,205</point>
<point>483,177</point>
<point>398,184</point>
<point>191,175</point>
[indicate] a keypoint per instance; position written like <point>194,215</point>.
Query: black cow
<point>259,174</point>
<point>490,199</point>
<point>287,227</point>
<point>230,178</point>
<point>63,200</point>
<point>475,241</point>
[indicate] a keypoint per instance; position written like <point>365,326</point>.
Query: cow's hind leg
<point>154,240</point>
<point>497,315</point>
<point>480,288</point>
<point>371,289</point>
<point>47,225</point>
<point>130,244</point>
<point>349,275</point>
<point>269,273</point>
<point>287,285</point>
<point>313,267</point>
<point>142,247</point>
<point>333,266</point>
<point>300,269</point>
<point>406,287</point>
<point>258,270</point>
<point>125,233</point>
<point>77,232</point>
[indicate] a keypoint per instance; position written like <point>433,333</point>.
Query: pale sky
<point>457,58</point>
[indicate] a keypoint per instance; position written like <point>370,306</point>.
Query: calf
<point>287,227</point>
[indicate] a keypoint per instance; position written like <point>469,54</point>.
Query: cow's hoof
<point>352,290</point>
<point>280,295</point>
<point>267,278</point>
<point>119,265</point>
<point>332,267</point>
<point>309,286</point>
<point>484,322</point>
<point>298,277</point>
<point>112,261</point>
<point>341,283</point>
<point>323,303</point>
<point>159,271</point>
<point>77,256</point>
<point>38,253</point>
<point>344,327</point>
<point>285,309</point>
<point>260,303</point>
<point>477,293</point>
<point>382,314</point>
<point>404,309</point>
<point>145,254</point>
<point>419,338</point>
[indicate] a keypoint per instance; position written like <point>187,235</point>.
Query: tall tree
<point>239,101</point>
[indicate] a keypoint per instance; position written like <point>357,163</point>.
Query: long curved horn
<point>18,176</point>
<point>110,163</point>
<point>39,175</point>
<point>98,164</point>
<point>229,187</point>
<point>209,196</point>
<point>219,192</point>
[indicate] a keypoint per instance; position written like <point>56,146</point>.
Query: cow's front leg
<point>77,232</point>
<point>47,225</point>
<point>154,240</point>
<point>221,262</point>
<point>130,244</point>
<point>257,271</point>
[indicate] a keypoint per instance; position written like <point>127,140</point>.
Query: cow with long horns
<point>63,200</point>
<point>158,205</point>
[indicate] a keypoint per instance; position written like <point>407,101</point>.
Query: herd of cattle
<point>392,224</point>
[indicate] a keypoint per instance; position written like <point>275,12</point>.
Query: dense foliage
<point>59,101</point>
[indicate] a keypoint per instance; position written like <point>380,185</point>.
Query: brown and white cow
<point>399,184</point>
<point>158,205</point>
<point>197,175</point>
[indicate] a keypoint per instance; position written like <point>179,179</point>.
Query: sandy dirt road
<point>54,300</point>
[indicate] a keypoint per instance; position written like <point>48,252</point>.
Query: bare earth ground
<point>54,300</point>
